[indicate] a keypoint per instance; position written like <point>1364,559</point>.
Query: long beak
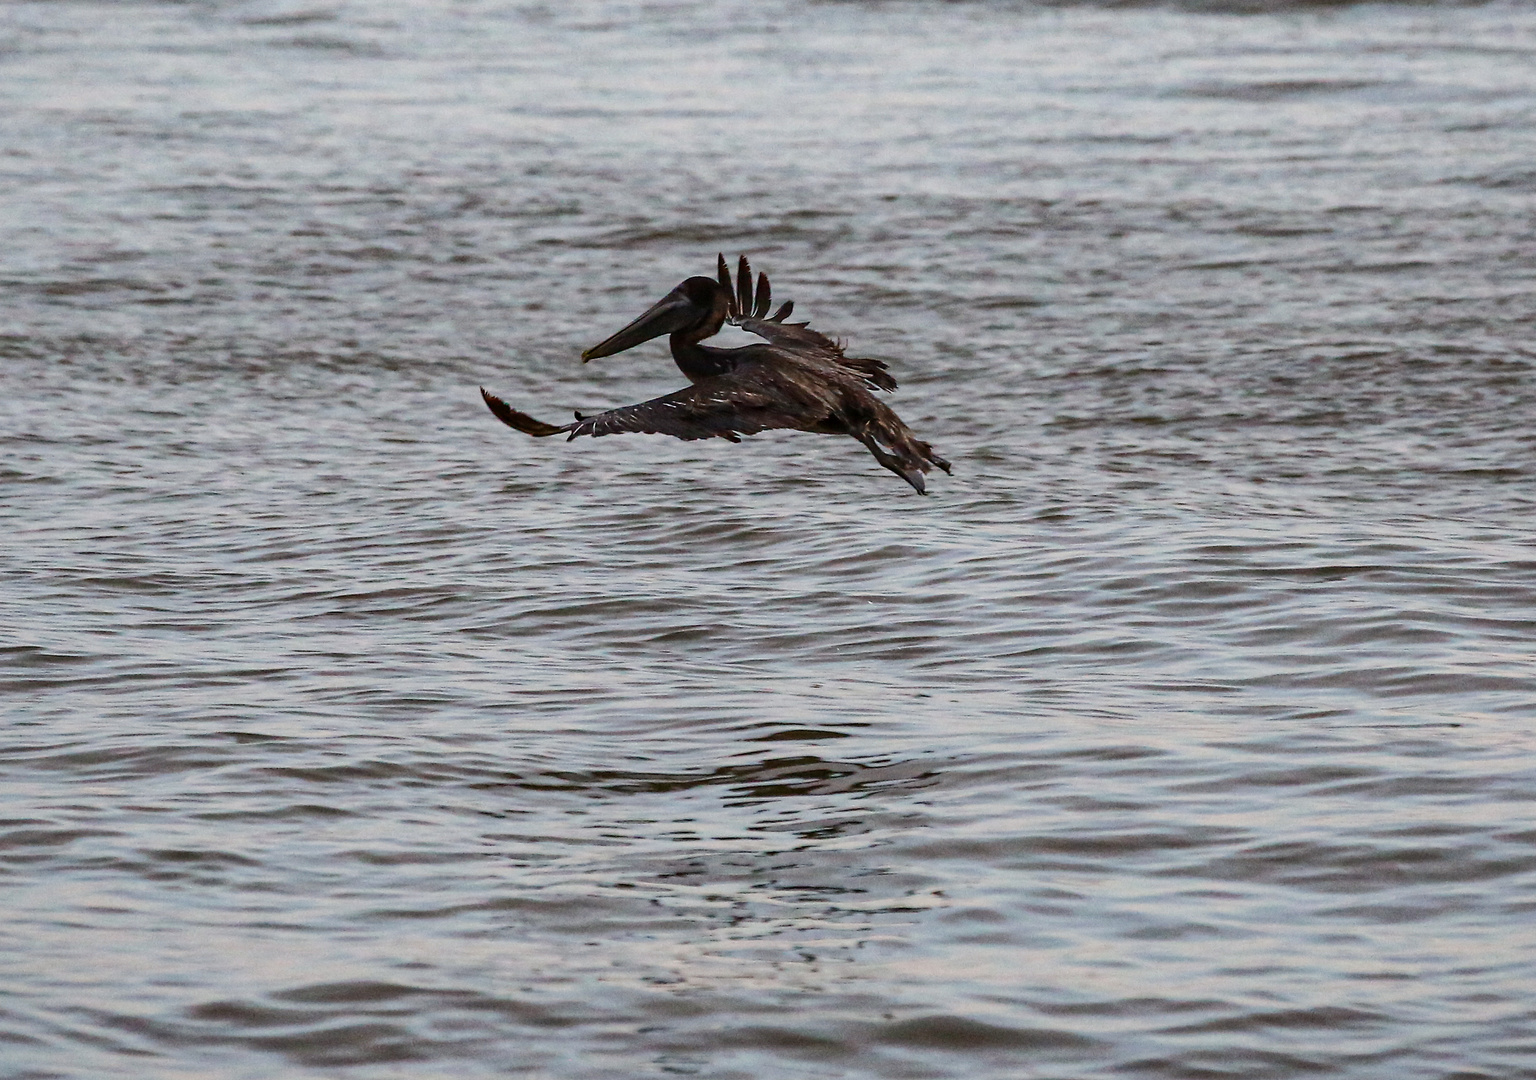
<point>670,314</point>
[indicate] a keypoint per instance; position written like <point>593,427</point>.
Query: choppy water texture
<point>1185,732</point>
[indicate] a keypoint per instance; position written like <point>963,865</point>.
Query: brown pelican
<point>798,380</point>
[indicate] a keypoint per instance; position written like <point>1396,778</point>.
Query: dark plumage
<point>796,379</point>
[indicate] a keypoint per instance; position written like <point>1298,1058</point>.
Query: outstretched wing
<point>725,407</point>
<point>748,308</point>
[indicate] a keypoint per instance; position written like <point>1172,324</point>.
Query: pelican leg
<point>911,476</point>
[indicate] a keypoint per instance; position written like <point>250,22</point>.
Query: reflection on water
<point>1180,732</point>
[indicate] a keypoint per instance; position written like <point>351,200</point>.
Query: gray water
<point>1186,731</point>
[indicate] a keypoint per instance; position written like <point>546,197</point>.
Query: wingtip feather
<point>763,298</point>
<point>743,287</point>
<point>723,273</point>
<point>514,419</point>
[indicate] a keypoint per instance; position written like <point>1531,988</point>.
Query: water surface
<point>1183,732</point>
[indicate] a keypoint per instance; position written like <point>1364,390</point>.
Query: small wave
<point>1280,89</point>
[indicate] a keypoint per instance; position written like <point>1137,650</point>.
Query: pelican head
<point>695,310</point>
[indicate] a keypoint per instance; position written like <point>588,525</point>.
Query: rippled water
<point>1184,732</point>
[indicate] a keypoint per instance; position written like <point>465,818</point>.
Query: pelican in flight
<point>796,379</point>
